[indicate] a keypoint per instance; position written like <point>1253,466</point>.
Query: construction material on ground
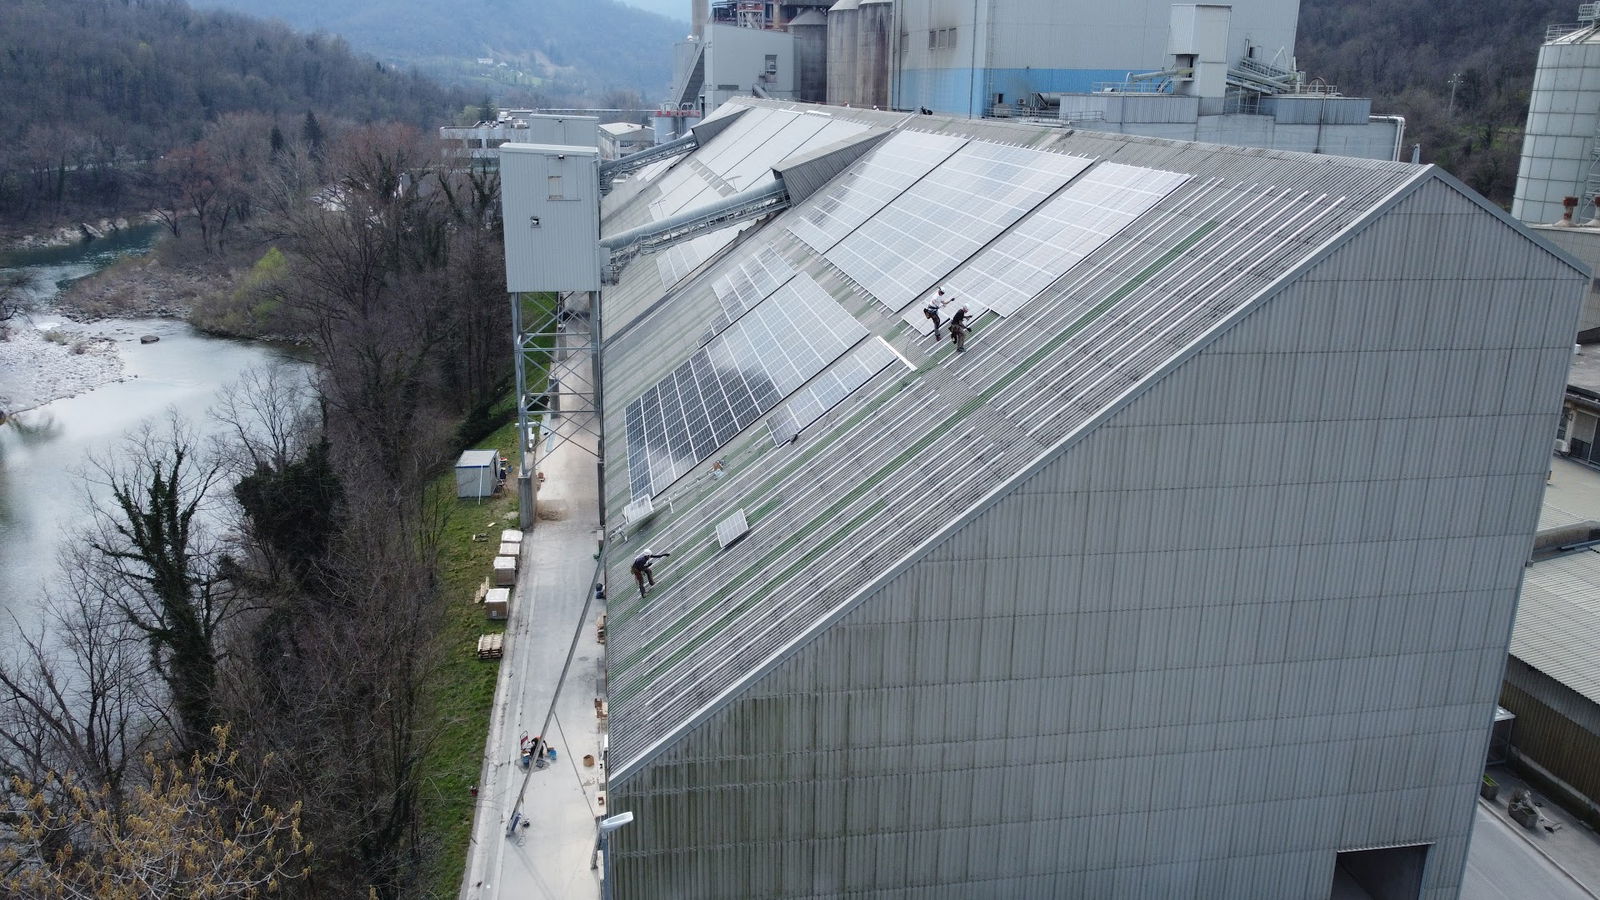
<point>505,571</point>
<point>491,646</point>
<point>510,550</point>
<point>511,536</point>
<point>497,603</point>
<point>600,629</point>
<point>482,591</point>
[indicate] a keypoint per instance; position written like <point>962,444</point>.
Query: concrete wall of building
<point>1017,46</point>
<point>736,60</point>
<point>1255,617</point>
<point>1375,140</point>
<point>1583,243</point>
<point>1556,727</point>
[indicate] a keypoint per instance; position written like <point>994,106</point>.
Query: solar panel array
<point>1064,231</point>
<point>944,218</point>
<point>868,186</point>
<point>809,403</point>
<point>761,273</point>
<point>775,348</point>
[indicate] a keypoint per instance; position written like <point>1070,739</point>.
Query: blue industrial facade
<point>969,92</point>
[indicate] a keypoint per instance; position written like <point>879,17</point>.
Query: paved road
<point>1501,865</point>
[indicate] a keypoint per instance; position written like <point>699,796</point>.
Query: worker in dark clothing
<point>642,569</point>
<point>959,329</point>
<point>935,304</point>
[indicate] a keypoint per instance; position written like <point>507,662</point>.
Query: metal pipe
<point>1399,132</point>
<point>755,196</point>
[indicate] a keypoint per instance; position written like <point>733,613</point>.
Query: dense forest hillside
<point>96,88</point>
<point>548,52</point>
<point>1405,53</point>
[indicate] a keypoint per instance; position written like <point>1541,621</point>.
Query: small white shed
<point>477,473</point>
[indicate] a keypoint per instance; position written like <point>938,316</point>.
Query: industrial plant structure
<point>1213,72</point>
<point>1561,142</point>
<point>1186,578</point>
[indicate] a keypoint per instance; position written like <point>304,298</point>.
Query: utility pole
<point>1454,82</point>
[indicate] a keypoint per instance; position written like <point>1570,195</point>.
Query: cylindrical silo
<point>699,12</point>
<point>810,30</point>
<point>661,126</point>
<point>842,52</point>
<point>873,21</point>
<point>1563,113</point>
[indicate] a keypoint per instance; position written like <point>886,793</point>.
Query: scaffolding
<point>558,378</point>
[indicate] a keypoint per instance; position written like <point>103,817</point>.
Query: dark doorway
<point>1392,873</point>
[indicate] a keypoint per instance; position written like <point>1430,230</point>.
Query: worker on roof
<point>935,304</point>
<point>642,569</point>
<point>959,329</point>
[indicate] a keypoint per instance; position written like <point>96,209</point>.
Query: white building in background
<point>1561,145</point>
<point>618,139</point>
<point>481,141</point>
<point>1207,72</point>
<point>1207,90</point>
<point>1183,580</point>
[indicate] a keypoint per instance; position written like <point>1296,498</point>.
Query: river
<point>44,497</point>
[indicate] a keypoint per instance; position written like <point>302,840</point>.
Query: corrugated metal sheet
<point>805,174</point>
<point>1558,621</point>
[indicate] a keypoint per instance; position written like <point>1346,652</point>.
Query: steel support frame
<point>563,344</point>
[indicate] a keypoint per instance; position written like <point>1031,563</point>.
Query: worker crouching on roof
<point>642,569</point>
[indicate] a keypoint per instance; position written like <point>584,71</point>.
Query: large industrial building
<point>1192,575</point>
<point>1213,72</point>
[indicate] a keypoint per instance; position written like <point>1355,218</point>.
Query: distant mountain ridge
<point>92,87</point>
<point>567,50</point>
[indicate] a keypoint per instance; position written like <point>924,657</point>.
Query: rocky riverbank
<point>138,287</point>
<point>38,365</point>
<point>68,235</point>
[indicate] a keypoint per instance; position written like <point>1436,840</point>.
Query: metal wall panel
<point>1120,680</point>
<point>551,197</point>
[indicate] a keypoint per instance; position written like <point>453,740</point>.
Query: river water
<point>44,497</point>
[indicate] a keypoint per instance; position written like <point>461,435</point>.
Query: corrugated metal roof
<point>1558,621</point>
<point>913,450</point>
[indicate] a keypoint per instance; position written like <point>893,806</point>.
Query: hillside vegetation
<point>1405,53</point>
<point>96,88</point>
<point>550,52</point>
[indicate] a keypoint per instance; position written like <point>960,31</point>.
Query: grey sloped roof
<point>1558,621</point>
<point>862,488</point>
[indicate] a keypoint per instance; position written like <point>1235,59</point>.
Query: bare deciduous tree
<point>161,565</point>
